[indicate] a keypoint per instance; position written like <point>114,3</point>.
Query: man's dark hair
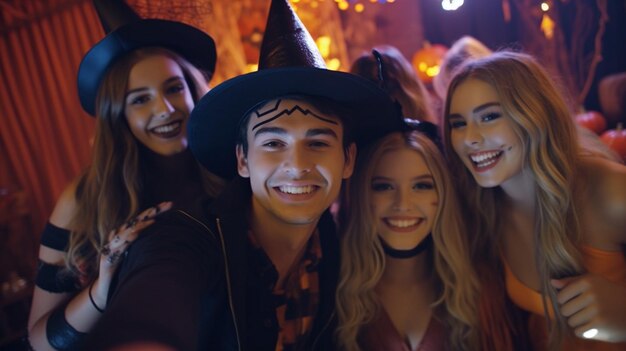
<point>323,105</point>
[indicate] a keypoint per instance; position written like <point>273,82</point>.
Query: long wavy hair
<point>398,79</point>
<point>542,121</point>
<point>363,259</point>
<point>109,191</point>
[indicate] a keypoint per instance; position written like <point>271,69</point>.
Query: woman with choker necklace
<point>140,84</point>
<point>406,282</point>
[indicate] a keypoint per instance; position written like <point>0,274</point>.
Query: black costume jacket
<point>185,283</point>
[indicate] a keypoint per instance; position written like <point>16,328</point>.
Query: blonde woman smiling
<point>406,280</point>
<point>550,220</point>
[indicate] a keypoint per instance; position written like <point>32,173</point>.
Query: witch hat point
<point>114,14</point>
<point>287,42</point>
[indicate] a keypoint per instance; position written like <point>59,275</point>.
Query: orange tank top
<point>608,264</point>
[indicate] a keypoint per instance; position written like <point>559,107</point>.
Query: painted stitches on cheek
<point>274,112</point>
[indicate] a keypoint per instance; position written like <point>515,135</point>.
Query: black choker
<point>391,252</point>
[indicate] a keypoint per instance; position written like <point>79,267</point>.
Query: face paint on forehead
<point>274,112</point>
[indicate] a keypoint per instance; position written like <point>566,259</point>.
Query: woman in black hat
<point>141,83</point>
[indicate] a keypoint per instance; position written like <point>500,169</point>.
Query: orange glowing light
<point>333,64</point>
<point>323,44</point>
<point>432,71</point>
<point>427,61</point>
<point>547,26</point>
<point>252,67</point>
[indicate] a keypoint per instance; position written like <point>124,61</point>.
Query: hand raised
<point>119,240</point>
<point>593,306</point>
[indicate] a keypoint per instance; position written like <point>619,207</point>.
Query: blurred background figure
<point>465,48</point>
<point>612,94</point>
<point>398,79</point>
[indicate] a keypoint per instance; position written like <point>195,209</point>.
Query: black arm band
<point>61,335</point>
<point>55,237</point>
<point>55,279</point>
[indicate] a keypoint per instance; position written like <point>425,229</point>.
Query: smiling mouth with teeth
<point>484,160</point>
<point>296,190</point>
<point>168,130</point>
<point>404,224</point>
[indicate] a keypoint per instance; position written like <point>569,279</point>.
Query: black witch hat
<point>290,64</point>
<point>127,32</point>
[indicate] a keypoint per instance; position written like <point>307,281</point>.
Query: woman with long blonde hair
<point>548,219</point>
<point>406,280</point>
<point>141,87</point>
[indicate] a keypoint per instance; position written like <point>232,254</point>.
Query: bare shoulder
<point>607,183</point>
<point>66,207</point>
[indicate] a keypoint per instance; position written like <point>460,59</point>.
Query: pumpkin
<point>592,120</point>
<point>427,61</point>
<point>616,140</point>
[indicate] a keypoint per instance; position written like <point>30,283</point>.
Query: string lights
<point>451,5</point>
<point>345,5</point>
<point>547,23</point>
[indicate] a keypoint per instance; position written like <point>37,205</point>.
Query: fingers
<point>120,239</point>
<point>141,221</point>
<point>593,306</point>
<point>116,239</point>
<point>140,226</point>
<point>582,317</point>
<point>572,288</point>
<point>154,211</point>
<point>560,283</point>
<point>576,304</point>
<point>146,218</point>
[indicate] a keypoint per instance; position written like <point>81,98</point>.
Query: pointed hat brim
<point>191,43</point>
<point>214,122</point>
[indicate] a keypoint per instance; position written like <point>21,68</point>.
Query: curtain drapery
<point>45,135</point>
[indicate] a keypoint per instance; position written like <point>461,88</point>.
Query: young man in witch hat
<point>257,269</point>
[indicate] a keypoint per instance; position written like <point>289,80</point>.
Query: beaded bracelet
<point>101,310</point>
